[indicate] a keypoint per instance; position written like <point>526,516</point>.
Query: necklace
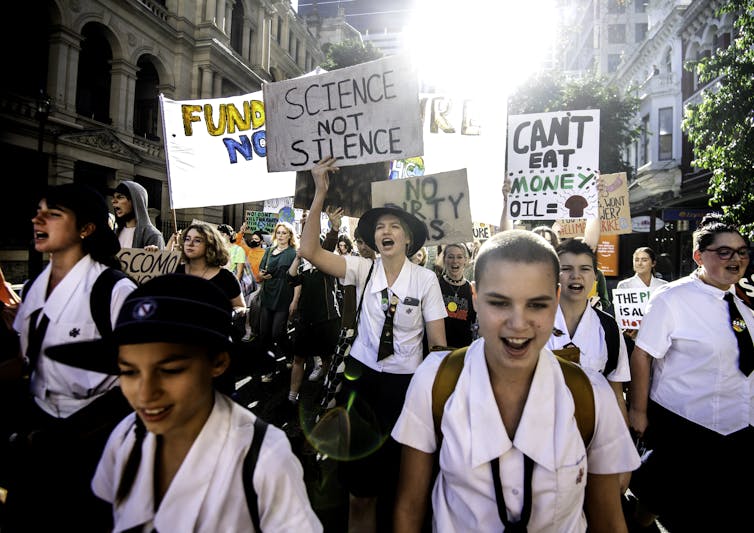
<point>455,285</point>
<point>452,281</point>
<point>206,268</point>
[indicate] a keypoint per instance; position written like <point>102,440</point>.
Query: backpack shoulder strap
<point>100,298</point>
<point>612,339</point>
<point>583,398</point>
<point>445,381</point>
<point>249,465</point>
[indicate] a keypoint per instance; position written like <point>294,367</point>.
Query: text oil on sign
<point>440,200</point>
<point>216,152</point>
<point>361,114</point>
<point>629,305</point>
<point>552,165</point>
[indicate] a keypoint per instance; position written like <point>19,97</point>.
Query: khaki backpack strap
<point>445,381</point>
<point>583,398</point>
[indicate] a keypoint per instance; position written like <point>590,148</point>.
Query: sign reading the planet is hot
<point>552,165</point>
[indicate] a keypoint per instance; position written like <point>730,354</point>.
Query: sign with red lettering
<point>361,114</point>
<point>629,305</point>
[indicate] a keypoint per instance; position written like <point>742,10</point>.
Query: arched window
<point>94,77</point>
<point>145,100</point>
<point>236,28</point>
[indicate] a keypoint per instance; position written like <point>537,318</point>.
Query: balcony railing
<point>156,8</point>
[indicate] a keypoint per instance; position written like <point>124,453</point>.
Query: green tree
<point>348,53</point>
<point>721,127</point>
<point>552,91</point>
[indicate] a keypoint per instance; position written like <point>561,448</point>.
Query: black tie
<point>745,342</point>
<point>386,339</point>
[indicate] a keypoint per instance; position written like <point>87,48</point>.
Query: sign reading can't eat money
<point>440,200</point>
<point>361,114</point>
<point>552,165</point>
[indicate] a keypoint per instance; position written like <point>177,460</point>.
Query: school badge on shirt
<point>738,325</point>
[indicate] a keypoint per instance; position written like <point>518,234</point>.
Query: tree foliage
<point>552,91</point>
<point>721,127</point>
<point>349,53</point>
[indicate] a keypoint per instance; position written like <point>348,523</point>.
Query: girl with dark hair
<point>345,246</point>
<point>185,459</point>
<point>71,410</point>
<point>691,391</point>
<point>645,262</point>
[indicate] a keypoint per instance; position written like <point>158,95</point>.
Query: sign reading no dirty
<point>552,165</point>
<point>362,114</point>
<point>440,200</point>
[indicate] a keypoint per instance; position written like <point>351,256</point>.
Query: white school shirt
<point>61,390</point>
<point>590,338</point>
<point>463,497</point>
<point>207,492</point>
<point>635,282</point>
<point>686,328</point>
<point>414,283</point>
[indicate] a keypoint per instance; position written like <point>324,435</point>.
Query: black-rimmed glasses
<point>726,252</point>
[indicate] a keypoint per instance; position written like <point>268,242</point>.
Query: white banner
<point>629,305</point>
<point>553,161</point>
<point>361,114</point>
<point>216,152</point>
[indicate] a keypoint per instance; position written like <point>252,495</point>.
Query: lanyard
<point>520,526</point>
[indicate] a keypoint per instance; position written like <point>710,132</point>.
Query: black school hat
<point>368,223</point>
<point>175,308</point>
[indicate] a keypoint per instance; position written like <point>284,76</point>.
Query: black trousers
<point>696,479</point>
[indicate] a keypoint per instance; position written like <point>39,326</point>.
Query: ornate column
<point>63,69</point>
<point>122,94</point>
<point>205,91</point>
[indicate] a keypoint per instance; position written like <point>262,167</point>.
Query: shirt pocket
<point>408,320</point>
<point>571,485</point>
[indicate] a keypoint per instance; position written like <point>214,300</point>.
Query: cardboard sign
<point>552,165</point>
<point>441,201</point>
<point>629,305</point>
<point>614,209</point>
<point>482,231</point>
<point>463,130</point>
<point>360,114</point>
<point>216,151</point>
<point>261,220</point>
<point>142,265</point>
<point>607,255</point>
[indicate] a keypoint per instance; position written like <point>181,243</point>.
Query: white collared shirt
<point>686,328</point>
<point>61,390</point>
<point>635,282</point>
<point>463,498</point>
<point>207,493</point>
<point>590,339</point>
<point>420,302</point>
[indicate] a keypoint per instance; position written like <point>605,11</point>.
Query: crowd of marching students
<point>119,401</point>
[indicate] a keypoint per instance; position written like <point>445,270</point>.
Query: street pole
<point>44,104</point>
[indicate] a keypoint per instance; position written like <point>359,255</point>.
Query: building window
<point>279,36</point>
<point>296,53</point>
<point>613,60</point>
<point>291,42</point>
<point>640,31</point>
<point>666,134</point>
<point>616,33</point>
<point>644,155</point>
<point>616,6</point>
<point>640,6</point>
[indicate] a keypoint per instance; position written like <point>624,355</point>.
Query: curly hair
<point>216,252</point>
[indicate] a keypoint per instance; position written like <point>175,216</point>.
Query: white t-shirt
<point>463,498</point>
<point>590,339</point>
<point>420,302</point>
<point>126,237</point>
<point>686,328</point>
<point>635,282</point>
<point>207,492</point>
<point>61,390</point>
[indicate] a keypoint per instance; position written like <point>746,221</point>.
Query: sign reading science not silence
<point>361,114</point>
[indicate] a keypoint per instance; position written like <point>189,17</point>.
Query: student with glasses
<point>382,359</point>
<point>692,392</point>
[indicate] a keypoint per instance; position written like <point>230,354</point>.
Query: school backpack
<point>249,465</point>
<point>612,339</point>
<point>575,378</point>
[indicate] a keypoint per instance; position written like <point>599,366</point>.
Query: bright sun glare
<point>481,45</point>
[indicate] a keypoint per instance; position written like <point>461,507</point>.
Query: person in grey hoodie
<point>132,223</point>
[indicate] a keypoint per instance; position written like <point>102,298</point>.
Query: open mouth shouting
<point>40,236</point>
<point>516,346</point>
<point>387,243</point>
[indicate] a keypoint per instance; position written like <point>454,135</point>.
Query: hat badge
<point>144,310</point>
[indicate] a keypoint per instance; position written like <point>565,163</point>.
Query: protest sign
<point>607,254</point>
<point>552,165</point>
<point>441,201</point>
<point>614,209</point>
<point>361,114</point>
<point>482,231</point>
<point>273,205</point>
<point>463,131</point>
<point>216,152</point>
<point>629,305</point>
<point>261,220</point>
<point>142,265</point>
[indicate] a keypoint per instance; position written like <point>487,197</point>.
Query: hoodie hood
<point>145,234</point>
